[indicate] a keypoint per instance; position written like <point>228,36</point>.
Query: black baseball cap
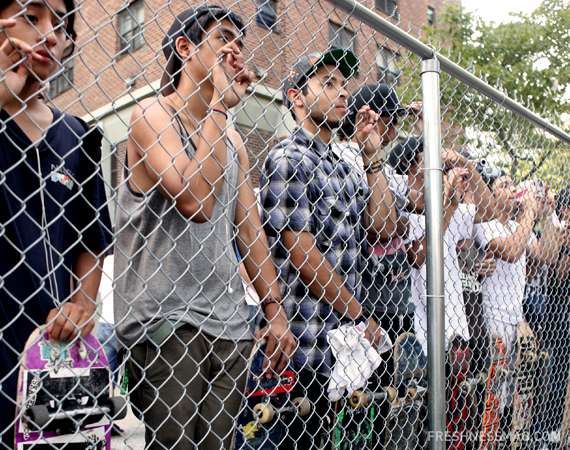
<point>404,153</point>
<point>345,60</point>
<point>179,27</point>
<point>381,98</point>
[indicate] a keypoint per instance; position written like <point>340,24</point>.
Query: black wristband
<point>367,311</point>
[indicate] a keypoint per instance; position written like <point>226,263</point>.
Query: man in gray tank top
<point>179,303</point>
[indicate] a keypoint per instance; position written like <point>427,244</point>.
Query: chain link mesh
<point>195,231</point>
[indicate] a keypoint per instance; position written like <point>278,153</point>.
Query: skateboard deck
<point>523,375</point>
<point>490,419</point>
<point>258,424</point>
<point>64,395</point>
<point>410,383</point>
<point>565,427</point>
<point>461,404</point>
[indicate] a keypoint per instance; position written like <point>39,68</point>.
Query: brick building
<point>120,60</point>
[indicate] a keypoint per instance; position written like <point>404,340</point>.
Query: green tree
<point>529,60</point>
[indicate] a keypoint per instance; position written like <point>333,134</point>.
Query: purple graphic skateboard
<point>64,395</point>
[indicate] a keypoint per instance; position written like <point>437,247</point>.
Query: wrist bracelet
<point>219,111</point>
<point>374,167</point>
<point>270,299</point>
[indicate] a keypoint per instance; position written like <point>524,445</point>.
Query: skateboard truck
<point>360,399</point>
<point>466,386</point>
<point>39,415</point>
<point>266,411</point>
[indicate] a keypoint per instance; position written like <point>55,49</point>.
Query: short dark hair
<point>197,32</point>
<point>562,200</point>
<point>69,29</point>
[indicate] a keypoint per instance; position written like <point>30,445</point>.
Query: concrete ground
<point>133,437</point>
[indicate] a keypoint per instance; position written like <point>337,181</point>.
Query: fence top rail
<point>424,51</point>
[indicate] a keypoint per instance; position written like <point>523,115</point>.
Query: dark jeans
<point>313,431</point>
<point>188,391</point>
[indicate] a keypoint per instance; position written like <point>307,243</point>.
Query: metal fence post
<point>430,75</point>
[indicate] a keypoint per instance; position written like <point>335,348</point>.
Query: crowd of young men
<point>340,240</point>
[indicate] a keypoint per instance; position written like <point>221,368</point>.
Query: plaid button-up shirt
<point>306,187</point>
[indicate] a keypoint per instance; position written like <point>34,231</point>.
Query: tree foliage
<point>529,60</point>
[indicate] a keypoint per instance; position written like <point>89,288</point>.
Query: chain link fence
<point>244,204</point>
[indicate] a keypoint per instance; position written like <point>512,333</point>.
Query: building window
<point>131,20</point>
<point>431,16</point>
<point>388,71</point>
<point>62,80</point>
<point>267,13</point>
<point>341,37</point>
<point>387,6</point>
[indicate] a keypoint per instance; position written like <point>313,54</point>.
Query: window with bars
<point>341,37</point>
<point>131,21</point>
<point>388,71</point>
<point>387,6</point>
<point>62,80</point>
<point>266,13</point>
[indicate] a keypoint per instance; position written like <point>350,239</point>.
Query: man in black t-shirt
<point>54,221</point>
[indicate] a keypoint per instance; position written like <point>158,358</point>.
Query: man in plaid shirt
<point>318,213</point>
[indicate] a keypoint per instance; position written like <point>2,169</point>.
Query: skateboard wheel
<point>358,400</point>
<point>544,356</point>
<point>117,407</point>
<point>303,406</point>
<point>38,415</point>
<point>391,394</point>
<point>411,394</point>
<point>501,374</point>
<point>465,388</point>
<point>264,411</point>
<point>529,357</point>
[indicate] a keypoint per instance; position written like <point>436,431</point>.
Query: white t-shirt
<point>460,228</point>
<point>503,292</point>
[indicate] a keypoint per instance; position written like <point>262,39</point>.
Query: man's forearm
<point>86,279</point>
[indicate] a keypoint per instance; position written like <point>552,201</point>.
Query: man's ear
<point>294,96</point>
<point>185,48</point>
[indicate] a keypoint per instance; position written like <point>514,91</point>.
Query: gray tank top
<point>167,267</point>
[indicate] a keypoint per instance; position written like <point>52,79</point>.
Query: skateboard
<point>565,428</point>
<point>355,418</point>
<point>461,393</point>
<point>490,419</point>
<point>258,424</point>
<point>410,384</point>
<point>523,375</point>
<point>64,395</point>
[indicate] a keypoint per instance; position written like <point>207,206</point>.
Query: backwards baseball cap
<point>345,60</point>
<point>404,153</point>
<point>180,26</point>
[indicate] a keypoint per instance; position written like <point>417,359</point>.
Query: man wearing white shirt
<point>503,291</point>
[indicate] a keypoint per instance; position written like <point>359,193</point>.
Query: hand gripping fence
<point>280,225</point>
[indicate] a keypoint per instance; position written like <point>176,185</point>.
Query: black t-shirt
<point>36,269</point>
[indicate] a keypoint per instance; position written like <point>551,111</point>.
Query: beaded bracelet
<point>219,111</point>
<point>270,299</point>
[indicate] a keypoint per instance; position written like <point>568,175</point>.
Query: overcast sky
<point>498,10</point>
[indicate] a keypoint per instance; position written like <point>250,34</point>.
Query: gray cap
<point>179,27</point>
